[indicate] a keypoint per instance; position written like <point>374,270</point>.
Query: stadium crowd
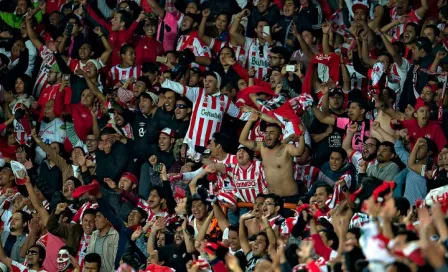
<point>232,135</point>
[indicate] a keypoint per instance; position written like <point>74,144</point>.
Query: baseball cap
<point>154,98</point>
<point>250,152</point>
<point>195,17</point>
<point>168,132</point>
<point>424,43</point>
<point>336,91</point>
<point>196,70</point>
<point>215,75</point>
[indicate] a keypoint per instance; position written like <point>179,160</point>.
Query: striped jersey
<point>18,267</point>
<point>75,64</point>
<point>257,56</point>
<point>307,173</point>
<point>249,182</point>
<point>208,111</point>
<point>117,74</point>
<point>48,60</point>
<point>240,53</point>
<point>399,29</point>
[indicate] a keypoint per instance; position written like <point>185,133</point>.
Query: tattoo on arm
<point>255,145</point>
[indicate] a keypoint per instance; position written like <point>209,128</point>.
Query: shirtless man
<point>277,159</point>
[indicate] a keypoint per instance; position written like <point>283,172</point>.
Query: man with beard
<point>368,152</point>
<point>386,168</point>
<point>49,92</point>
<point>15,19</point>
<point>52,130</point>
<point>277,159</point>
<point>35,256</point>
<point>14,239</point>
<point>75,235</point>
<point>189,37</point>
<point>176,252</point>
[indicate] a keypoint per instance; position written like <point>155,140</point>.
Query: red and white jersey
<point>75,64</point>
<point>18,267</point>
<point>257,56</point>
<point>398,30</point>
<point>43,240</point>
<point>248,182</point>
<point>151,215</point>
<point>82,249</point>
<point>240,53</point>
<point>307,173</point>
<point>48,60</point>
<point>357,80</point>
<point>356,157</point>
<point>224,184</point>
<point>196,45</point>
<point>208,111</point>
<point>80,212</point>
<point>117,74</point>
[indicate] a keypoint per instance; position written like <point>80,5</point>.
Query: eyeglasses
<point>368,145</point>
<point>268,204</point>
<point>32,252</point>
<point>181,106</point>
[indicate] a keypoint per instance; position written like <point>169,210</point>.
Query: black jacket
<point>112,165</point>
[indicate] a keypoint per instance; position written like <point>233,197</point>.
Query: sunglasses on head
<point>32,252</point>
<point>181,106</point>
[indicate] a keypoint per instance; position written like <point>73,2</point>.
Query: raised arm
<point>347,142</point>
<point>306,49</point>
<point>37,204</point>
<point>296,151</point>
<point>242,234</point>
<point>31,34</point>
<point>191,93</point>
<point>412,160</point>
<point>253,145</point>
<point>365,50</point>
<point>204,228</point>
<point>240,40</point>
<point>52,155</point>
<point>421,11</point>
<point>270,233</point>
<point>391,49</point>
<point>201,32</point>
<point>107,47</point>
<point>326,38</point>
<point>156,8</point>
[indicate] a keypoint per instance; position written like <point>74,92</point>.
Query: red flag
<point>242,98</point>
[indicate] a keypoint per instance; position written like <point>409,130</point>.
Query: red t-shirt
<point>431,131</point>
<point>147,49</point>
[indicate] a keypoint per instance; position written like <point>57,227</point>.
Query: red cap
<point>432,87</point>
<point>130,177</point>
<point>420,103</point>
<point>169,132</point>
